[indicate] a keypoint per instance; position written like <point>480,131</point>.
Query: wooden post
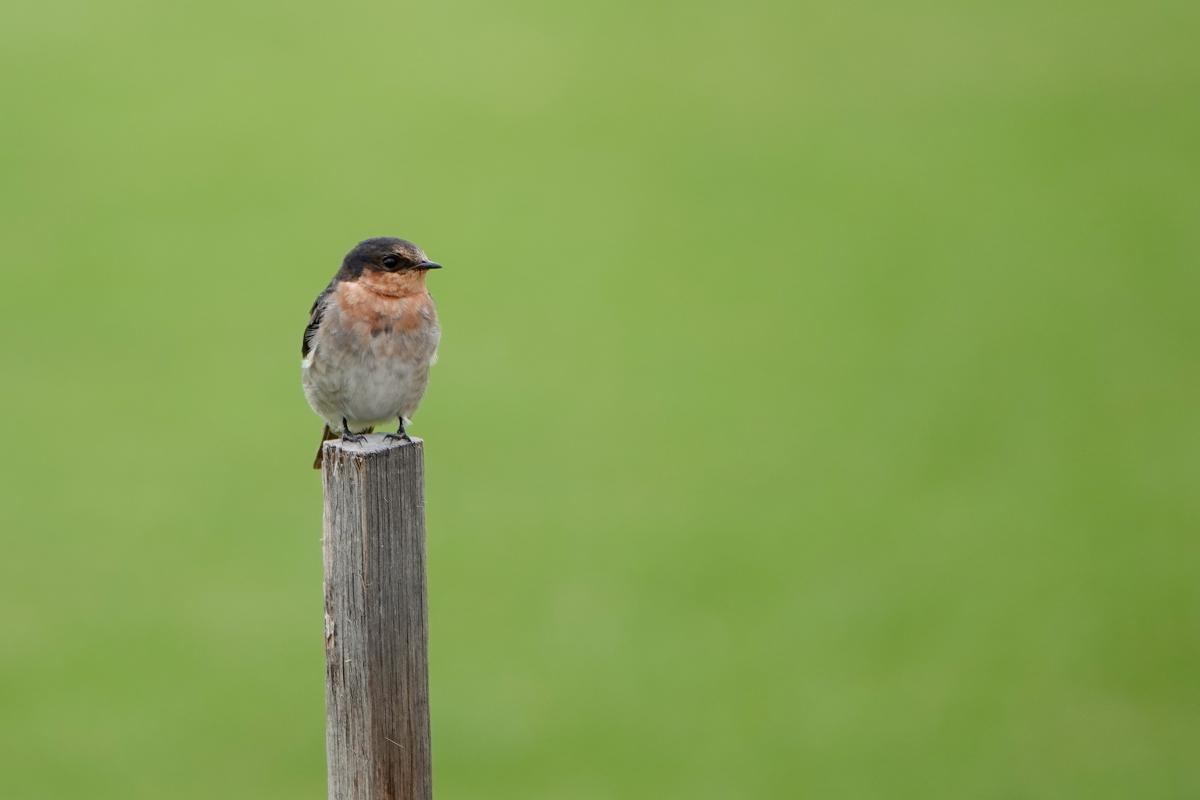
<point>376,662</point>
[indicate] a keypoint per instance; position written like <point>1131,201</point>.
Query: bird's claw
<point>397,437</point>
<point>354,438</point>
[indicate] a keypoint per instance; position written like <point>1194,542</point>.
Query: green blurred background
<point>818,411</point>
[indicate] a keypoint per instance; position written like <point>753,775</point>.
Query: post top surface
<point>374,443</point>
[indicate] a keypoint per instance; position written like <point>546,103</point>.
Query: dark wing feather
<point>314,319</point>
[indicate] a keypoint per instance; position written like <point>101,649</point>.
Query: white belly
<point>383,391</point>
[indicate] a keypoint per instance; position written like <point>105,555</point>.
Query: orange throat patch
<point>386,300</point>
<point>405,283</point>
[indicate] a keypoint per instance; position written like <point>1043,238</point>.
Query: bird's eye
<point>390,261</point>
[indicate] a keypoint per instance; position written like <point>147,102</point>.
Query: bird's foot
<point>400,436</point>
<point>350,436</point>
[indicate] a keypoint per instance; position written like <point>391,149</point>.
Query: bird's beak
<point>429,265</point>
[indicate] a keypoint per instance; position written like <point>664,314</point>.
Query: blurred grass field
<point>817,415</point>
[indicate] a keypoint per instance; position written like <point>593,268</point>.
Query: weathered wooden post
<point>376,662</point>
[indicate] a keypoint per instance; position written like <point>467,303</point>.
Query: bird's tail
<point>325,437</point>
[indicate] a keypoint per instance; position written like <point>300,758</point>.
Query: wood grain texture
<point>376,623</point>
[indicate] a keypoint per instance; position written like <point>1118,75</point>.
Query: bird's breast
<point>365,330</point>
<point>371,356</point>
<point>361,302</point>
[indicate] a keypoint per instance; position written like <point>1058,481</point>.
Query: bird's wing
<point>314,320</point>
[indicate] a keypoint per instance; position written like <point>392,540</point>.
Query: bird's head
<point>390,265</point>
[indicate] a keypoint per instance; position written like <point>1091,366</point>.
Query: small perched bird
<point>371,337</point>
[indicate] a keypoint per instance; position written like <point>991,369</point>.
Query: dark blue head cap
<point>384,254</point>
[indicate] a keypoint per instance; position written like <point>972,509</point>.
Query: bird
<point>371,338</point>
